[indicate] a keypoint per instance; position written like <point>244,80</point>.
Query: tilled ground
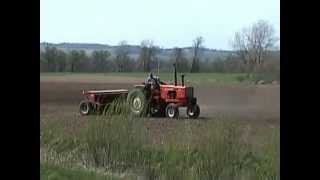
<point>60,100</point>
<point>253,105</point>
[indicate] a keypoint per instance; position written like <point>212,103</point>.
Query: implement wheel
<point>85,108</point>
<point>137,102</point>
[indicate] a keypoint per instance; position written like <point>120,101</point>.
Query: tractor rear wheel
<point>137,102</point>
<point>172,110</point>
<point>158,111</point>
<point>85,108</point>
<point>193,112</point>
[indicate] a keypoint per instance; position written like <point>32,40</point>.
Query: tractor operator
<point>153,84</point>
<point>153,81</point>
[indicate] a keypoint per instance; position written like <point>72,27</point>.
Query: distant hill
<point>134,50</point>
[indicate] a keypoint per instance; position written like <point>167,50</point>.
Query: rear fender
<point>140,86</point>
<point>192,101</point>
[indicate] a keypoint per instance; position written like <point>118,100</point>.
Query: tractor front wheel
<point>85,108</point>
<point>193,112</point>
<point>172,111</point>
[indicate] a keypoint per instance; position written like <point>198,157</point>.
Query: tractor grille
<point>189,92</point>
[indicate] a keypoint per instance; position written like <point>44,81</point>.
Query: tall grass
<point>118,142</point>
<point>51,172</point>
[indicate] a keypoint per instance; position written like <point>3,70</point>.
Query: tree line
<point>253,47</point>
<point>56,60</point>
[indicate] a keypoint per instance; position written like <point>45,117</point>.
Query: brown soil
<point>250,104</point>
<point>61,99</point>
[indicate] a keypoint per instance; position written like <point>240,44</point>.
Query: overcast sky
<point>168,23</point>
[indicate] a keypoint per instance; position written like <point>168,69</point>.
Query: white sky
<point>168,23</point>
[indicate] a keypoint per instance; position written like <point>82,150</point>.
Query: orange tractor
<point>153,97</point>
<point>160,99</point>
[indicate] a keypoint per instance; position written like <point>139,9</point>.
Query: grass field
<point>121,144</point>
<point>192,79</point>
<point>51,172</point>
<point>236,137</point>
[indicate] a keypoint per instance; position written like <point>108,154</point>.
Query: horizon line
<point>161,47</point>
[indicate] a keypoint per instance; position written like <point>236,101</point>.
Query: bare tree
<point>100,60</point>
<point>122,58</point>
<point>50,56</point>
<point>180,60</point>
<point>197,46</point>
<point>61,61</point>
<point>177,54</point>
<point>253,43</point>
<point>147,55</point>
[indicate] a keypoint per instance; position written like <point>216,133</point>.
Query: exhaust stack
<point>182,79</point>
<point>175,74</point>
